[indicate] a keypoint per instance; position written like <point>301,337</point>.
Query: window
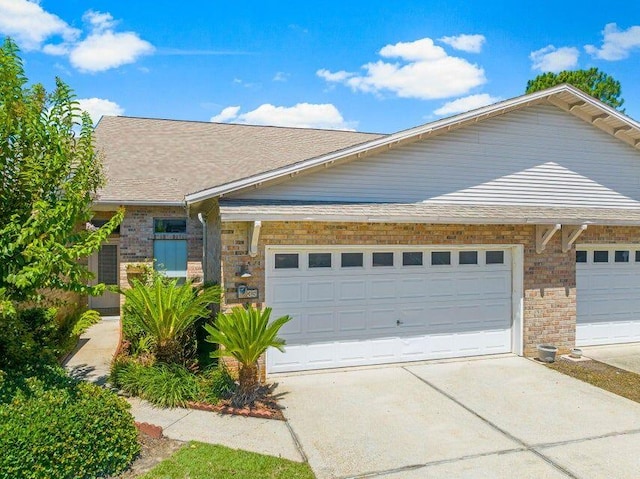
<point>108,264</point>
<point>494,257</point>
<point>100,223</point>
<point>600,256</point>
<point>319,260</point>
<point>440,258</point>
<point>286,260</point>
<point>412,258</point>
<point>382,259</point>
<point>637,256</point>
<point>171,257</point>
<point>468,257</point>
<point>621,257</point>
<point>169,225</point>
<point>350,260</point>
<point>581,256</point>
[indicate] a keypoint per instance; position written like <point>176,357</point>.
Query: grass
<point>612,379</point>
<point>206,461</point>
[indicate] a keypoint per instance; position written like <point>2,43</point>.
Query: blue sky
<point>374,66</point>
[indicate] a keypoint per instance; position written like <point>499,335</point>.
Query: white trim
<point>608,245</point>
<point>570,236</point>
<point>254,236</point>
<point>517,308</point>
<point>544,235</point>
<point>402,136</point>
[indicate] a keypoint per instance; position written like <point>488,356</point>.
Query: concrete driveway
<point>499,417</point>
<point>623,356</point>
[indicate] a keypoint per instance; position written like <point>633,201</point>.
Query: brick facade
<point>137,236</point>
<point>549,277</point>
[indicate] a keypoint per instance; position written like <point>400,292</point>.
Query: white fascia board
<point>401,136</point>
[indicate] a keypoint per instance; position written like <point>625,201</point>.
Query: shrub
<point>215,384</point>
<point>167,312</point>
<point>245,334</point>
<point>165,385</point>
<point>54,426</point>
<point>29,336</point>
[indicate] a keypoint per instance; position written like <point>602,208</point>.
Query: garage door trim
<point>517,272</point>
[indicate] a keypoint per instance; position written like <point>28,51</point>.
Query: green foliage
<point>49,175</point>
<point>215,383</point>
<point>204,461</point>
<point>592,81</point>
<point>245,333</point>
<point>54,426</point>
<point>167,312</point>
<point>34,336</point>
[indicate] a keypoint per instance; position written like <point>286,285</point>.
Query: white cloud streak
<point>552,59</point>
<point>302,115</point>
<point>467,103</point>
<point>465,42</point>
<point>616,44</point>
<point>424,71</point>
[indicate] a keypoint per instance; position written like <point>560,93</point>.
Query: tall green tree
<point>592,81</point>
<point>49,175</point>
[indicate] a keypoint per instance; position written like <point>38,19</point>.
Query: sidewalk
<point>91,361</point>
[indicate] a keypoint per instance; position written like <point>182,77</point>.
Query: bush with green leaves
<point>54,426</point>
<point>170,385</point>
<point>245,334</point>
<point>168,312</point>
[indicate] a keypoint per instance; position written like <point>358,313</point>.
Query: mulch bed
<point>152,452</point>
<point>267,408</point>
<point>612,379</point>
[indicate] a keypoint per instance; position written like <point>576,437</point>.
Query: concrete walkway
<point>91,361</point>
<point>623,356</point>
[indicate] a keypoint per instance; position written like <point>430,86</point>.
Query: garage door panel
<point>608,300</point>
<point>374,315</point>
<point>351,290</point>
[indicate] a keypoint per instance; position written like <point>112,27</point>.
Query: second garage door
<point>371,305</point>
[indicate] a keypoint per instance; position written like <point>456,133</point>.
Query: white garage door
<point>372,305</point>
<point>608,295</point>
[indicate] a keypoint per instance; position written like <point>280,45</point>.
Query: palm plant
<point>245,334</point>
<point>167,311</point>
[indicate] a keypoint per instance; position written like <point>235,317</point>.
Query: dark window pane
<point>382,259</point>
<point>622,257</point>
<point>581,256</point>
<point>440,257</point>
<point>170,225</point>
<point>319,260</point>
<point>286,260</point>
<point>412,258</point>
<point>638,256</point>
<point>494,257</point>
<point>351,259</point>
<point>468,257</point>
<point>100,223</point>
<point>108,264</point>
<point>600,256</point>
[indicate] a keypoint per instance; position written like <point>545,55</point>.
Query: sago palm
<point>245,334</point>
<point>166,311</point>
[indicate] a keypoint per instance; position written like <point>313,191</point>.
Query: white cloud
<point>98,107</point>
<point>303,115</point>
<point>616,43</point>
<point>465,42</point>
<point>466,103</point>
<point>228,114</point>
<point>104,48</point>
<point>30,25</point>
<point>425,71</point>
<point>281,76</point>
<point>552,59</point>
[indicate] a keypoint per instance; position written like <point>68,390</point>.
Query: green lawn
<point>205,461</point>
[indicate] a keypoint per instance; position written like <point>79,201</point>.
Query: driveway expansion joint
<point>297,442</point>
<point>546,445</point>
<point>502,431</point>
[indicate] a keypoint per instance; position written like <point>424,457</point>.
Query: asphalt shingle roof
<point>156,160</point>
<point>249,210</point>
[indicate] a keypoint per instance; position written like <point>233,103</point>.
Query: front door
<point>104,264</point>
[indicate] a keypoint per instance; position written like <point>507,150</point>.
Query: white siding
<point>540,155</point>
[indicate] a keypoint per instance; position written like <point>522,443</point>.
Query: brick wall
<point>549,278</point>
<point>136,239</point>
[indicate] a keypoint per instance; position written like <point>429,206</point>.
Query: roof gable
<point>564,97</point>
